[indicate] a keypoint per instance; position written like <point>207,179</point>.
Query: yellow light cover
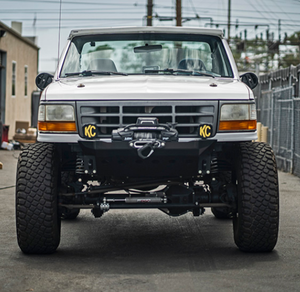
<point>57,126</point>
<point>237,125</point>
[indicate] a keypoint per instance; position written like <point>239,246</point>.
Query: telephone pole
<point>279,30</point>
<point>149,12</point>
<point>229,20</point>
<point>178,13</point>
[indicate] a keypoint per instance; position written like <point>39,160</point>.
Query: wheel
<point>256,222</point>
<point>222,213</point>
<point>37,217</point>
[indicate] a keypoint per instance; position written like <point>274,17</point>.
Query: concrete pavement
<point>129,250</point>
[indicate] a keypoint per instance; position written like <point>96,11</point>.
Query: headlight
<point>59,113</point>
<point>237,117</point>
<point>56,118</point>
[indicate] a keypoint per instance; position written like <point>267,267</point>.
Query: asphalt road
<point>149,251</point>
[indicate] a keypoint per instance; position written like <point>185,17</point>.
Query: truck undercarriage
<point>117,178</point>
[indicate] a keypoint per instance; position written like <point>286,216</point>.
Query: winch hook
<point>147,147</point>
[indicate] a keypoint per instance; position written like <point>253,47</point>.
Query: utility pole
<point>229,19</point>
<point>149,12</point>
<point>279,30</point>
<point>178,13</point>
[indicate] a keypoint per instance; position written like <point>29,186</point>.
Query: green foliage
<point>291,59</point>
<point>295,37</point>
<point>268,55</point>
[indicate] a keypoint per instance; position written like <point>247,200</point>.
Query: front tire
<point>37,218</point>
<point>257,220</point>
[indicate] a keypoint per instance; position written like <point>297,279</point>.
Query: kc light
<point>237,117</point>
<point>56,118</point>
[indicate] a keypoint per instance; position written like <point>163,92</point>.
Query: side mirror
<point>43,80</point>
<point>250,79</point>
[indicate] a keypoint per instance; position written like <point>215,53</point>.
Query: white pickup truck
<point>147,117</point>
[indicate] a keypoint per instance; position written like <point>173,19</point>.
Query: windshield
<point>147,53</point>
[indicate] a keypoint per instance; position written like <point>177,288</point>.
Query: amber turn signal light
<point>241,125</point>
<point>57,126</point>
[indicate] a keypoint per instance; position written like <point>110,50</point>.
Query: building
<point>18,70</point>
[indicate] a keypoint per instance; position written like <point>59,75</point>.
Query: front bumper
<point>118,159</point>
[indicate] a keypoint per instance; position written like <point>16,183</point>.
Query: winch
<point>146,135</point>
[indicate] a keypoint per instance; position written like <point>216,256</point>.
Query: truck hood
<point>139,87</point>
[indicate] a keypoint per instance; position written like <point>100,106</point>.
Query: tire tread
<point>256,228</point>
<point>37,222</point>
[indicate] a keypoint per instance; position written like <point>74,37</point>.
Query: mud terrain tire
<point>256,222</point>
<point>37,217</point>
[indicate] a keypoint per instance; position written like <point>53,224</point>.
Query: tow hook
<point>146,148</point>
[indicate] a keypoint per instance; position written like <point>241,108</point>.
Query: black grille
<point>186,115</point>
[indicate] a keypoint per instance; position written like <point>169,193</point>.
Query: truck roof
<point>149,29</point>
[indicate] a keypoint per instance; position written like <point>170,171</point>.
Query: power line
<point>69,2</point>
<point>73,19</point>
<point>93,10</point>
<point>141,5</point>
<point>109,8</point>
<point>131,12</point>
<point>72,11</point>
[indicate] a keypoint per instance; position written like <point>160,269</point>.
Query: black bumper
<point>175,159</point>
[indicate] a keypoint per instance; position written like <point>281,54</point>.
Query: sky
<point>40,18</point>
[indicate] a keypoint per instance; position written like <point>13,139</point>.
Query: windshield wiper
<point>94,72</point>
<point>172,71</point>
<point>169,70</point>
<point>204,74</point>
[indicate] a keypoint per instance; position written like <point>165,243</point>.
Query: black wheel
<point>256,222</point>
<point>222,213</point>
<point>37,217</point>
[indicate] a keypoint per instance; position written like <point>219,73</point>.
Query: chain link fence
<point>278,108</point>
